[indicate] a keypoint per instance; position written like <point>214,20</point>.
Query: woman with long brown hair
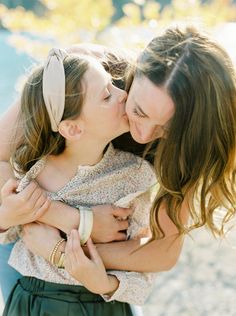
<point>184,94</point>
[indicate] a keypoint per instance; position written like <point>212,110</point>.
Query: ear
<point>70,129</point>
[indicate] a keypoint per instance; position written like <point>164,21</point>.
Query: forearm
<point>157,256</point>
<point>61,216</point>
<point>7,135</point>
<point>6,173</point>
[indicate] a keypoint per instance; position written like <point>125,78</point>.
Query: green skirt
<point>34,297</point>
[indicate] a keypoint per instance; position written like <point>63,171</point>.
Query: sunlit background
<point>204,280</point>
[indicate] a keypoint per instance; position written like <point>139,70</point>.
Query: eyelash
<point>137,113</point>
<point>107,98</point>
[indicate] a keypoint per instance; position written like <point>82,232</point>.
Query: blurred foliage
<point>209,13</point>
<point>72,21</point>
<point>33,5</point>
<point>66,22</point>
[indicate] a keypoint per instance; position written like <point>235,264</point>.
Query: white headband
<point>54,86</point>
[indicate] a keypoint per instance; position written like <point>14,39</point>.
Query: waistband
<point>63,292</point>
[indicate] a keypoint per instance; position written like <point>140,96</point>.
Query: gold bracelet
<point>61,262</point>
<point>54,251</point>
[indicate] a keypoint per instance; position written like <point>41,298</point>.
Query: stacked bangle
<point>54,251</point>
<point>86,224</point>
<point>61,262</point>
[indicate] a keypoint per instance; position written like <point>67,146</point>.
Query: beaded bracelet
<point>86,224</point>
<point>61,262</point>
<point>54,251</point>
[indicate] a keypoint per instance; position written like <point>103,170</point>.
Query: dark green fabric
<point>34,297</point>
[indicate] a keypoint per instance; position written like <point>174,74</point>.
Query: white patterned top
<point>120,178</point>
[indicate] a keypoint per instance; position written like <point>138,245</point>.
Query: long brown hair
<point>38,139</point>
<point>197,159</point>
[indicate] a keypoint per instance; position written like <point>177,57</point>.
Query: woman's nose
<point>150,133</point>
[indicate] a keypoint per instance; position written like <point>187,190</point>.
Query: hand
<point>108,224</point>
<point>40,238</point>
<point>24,207</point>
<point>90,272</point>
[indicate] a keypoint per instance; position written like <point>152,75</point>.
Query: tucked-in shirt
<point>120,178</point>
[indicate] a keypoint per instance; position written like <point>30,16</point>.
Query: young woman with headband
<point>73,160</point>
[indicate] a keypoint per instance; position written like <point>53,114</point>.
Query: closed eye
<point>138,113</point>
<point>108,97</point>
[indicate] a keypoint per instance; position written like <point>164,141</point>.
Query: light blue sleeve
<point>8,275</point>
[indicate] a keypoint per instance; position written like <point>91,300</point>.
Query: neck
<point>81,154</point>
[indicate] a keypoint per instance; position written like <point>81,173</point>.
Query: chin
<point>137,138</point>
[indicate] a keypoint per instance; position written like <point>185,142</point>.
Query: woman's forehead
<point>96,79</point>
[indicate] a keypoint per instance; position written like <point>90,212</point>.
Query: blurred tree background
<point>33,27</point>
<point>130,23</point>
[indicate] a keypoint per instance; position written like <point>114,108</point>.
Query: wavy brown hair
<point>197,159</point>
<point>38,139</point>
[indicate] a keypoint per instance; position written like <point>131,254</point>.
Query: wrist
<point>3,224</point>
<point>113,285</point>
<point>74,220</point>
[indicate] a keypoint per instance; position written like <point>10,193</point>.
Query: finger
<point>36,199</point>
<point>68,255</point>
<point>71,248</point>
<point>9,187</point>
<point>94,255</point>
<point>74,257</point>
<point>42,209</point>
<point>37,194</point>
<point>122,212</point>
<point>68,248</point>
<point>123,225</point>
<point>28,191</point>
<point>120,236</point>
<point>76,245</point>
